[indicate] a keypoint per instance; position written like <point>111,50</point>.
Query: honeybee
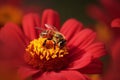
<point>59,39</point>
<point>53,35</point>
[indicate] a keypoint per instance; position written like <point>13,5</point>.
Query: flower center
<point>45,54</point>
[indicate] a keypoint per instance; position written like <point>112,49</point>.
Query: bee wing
<point>48,26</point>
<point>40,28</point>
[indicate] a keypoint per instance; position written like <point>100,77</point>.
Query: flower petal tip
<point>51,17</point>
<point>115,23</point>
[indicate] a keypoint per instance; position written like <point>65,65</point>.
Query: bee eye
<point>56,37</point>
<point>43,34</point>
<point>62,43</point>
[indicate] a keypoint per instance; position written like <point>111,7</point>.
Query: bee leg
<point>44,42</point>
<point>54,44</point>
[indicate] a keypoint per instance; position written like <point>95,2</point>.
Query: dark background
<point>66,8</point>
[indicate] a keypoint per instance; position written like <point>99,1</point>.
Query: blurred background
<point>66,9</point>
<point>94,14</point>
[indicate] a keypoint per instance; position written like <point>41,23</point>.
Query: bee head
<point>43,34</point>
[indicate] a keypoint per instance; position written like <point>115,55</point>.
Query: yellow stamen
<point>45,49</point>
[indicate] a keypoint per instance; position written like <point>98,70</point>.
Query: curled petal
<point>70,28</point>
<point>51,17</point>
<point>31,21</point>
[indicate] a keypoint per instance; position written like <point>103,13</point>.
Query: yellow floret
<point>47,51</point>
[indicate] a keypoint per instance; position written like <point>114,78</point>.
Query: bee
<point>59,39</point>
<point>52,35</point>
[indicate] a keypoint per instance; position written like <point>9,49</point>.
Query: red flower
<point>105,14</point>
<point>11,2</point>
<point>82,55</point>
<point>115,26</point>
<point>109,12</point>
<point>114,69</point>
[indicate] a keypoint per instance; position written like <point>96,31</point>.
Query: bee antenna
<point>39,28</point>
<point>50,27</point>
<point>47,26</point>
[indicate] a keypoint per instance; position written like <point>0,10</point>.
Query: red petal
<point>97,50</point>
<point>51,17</point>
<point>70,28</point>
<point>82,38</point>
<point>51,76</point>
<point>88,41</point>
<point>97,14</point>
<point>63,75</point>
<point>112,7</point>
<point>79,42</point>
<point>116,23</point>
<point>93,68</point>
<point>31,21</point>
<point>73,75</point>
<point>26,72</point>
<point>12,44</point>
<point>82,61</point>
<point>115,48</point>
